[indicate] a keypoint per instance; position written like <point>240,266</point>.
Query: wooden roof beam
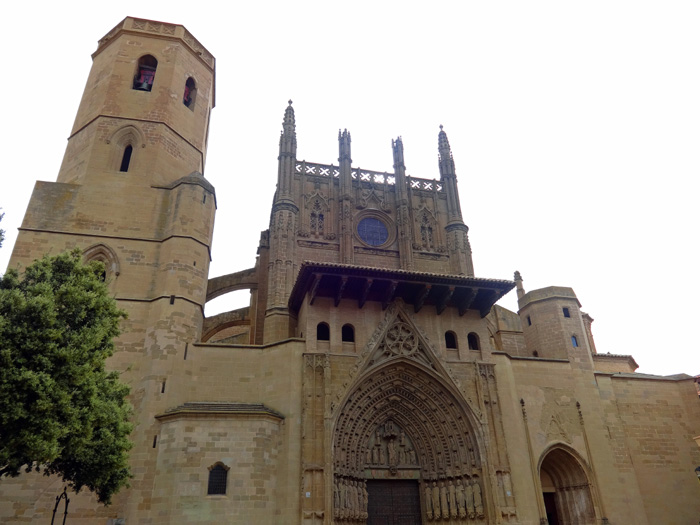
<point>467,300</point>
<point>442,303</point>
<point>341,288</point>
<point>365,293</point>
<point>491,299</point>
<point>314,288</point>
<point>389,294</point>
<point>420,298</point>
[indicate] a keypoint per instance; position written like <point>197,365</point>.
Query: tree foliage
<point>2,232</point>
<point>61,412</point>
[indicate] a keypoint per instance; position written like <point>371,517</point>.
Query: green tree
<point>61,412</point>
<point>2,232</point>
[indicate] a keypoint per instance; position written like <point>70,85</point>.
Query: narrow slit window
<point>126,158</point>
<point>529,321</point>
<point>566,312</point>
<point>574,341</point>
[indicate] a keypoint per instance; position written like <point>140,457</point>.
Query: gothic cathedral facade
<point>372,379</point>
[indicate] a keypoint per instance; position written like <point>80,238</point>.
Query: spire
<point>447,164</point>
<point>344,146</point>
<point>519,284</point>
<point>289,124</point>
<point>287,156</point>
<point>397,146</point>
<point>288,139</point>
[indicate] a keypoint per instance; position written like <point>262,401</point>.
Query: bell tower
<point>130,193</point>
<point>145,109</point>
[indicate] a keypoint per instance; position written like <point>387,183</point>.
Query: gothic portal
<point>373,378</point>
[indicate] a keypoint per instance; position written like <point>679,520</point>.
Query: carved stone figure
<point>443,501</point>
<point>354,503</point>
<point>428,502</point>
<point>392,452</point>
<point>478,504</point>
<point>469,493</point>
<point>336,500</point>
<point>411,456</point>
<point>436,500</point>
<point>453,499</point>
<point>375,454</point>
<point>343,498</point>
<point>461,500</point>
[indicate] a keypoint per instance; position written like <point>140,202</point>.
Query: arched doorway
<point>566,488</point>
<point>405,451</point>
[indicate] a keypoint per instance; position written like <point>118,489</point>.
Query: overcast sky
<point>574,127</point>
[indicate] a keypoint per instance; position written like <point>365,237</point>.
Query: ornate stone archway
<point>403,420</point>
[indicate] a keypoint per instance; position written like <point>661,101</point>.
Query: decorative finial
<point>440,127</point>
<point>290,101</point>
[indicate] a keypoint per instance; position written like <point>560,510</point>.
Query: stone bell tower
<point>130,193</point>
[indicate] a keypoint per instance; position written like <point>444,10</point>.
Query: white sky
<point>574,127</point>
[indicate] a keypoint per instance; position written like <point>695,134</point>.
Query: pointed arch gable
<point>400,351</point>
<point>125,137</point>
<point>128,136</point>
<point>106,255</point>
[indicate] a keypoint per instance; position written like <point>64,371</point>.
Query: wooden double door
<point>392,502</point>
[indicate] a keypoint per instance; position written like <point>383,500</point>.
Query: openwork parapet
<point>373,177</point>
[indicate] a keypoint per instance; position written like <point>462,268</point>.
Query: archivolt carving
<point>405,399</point>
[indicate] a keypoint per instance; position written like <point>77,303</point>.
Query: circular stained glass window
<point>372,231</point>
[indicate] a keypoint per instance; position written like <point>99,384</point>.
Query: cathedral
<point>372,379</point>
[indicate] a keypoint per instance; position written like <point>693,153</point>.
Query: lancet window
<point>426,226</point>
<point>316,220</point>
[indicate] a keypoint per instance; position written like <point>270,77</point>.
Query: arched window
<point>473,341</point>
<point>188,98</point>
<point>574,341</point>
<point>323,332</point>
<point>126,158</point>
<point>145,73</point>
<point>104,254</point>
<point>218,473</point>
<point>348,333</point>
<point>450,340</point>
